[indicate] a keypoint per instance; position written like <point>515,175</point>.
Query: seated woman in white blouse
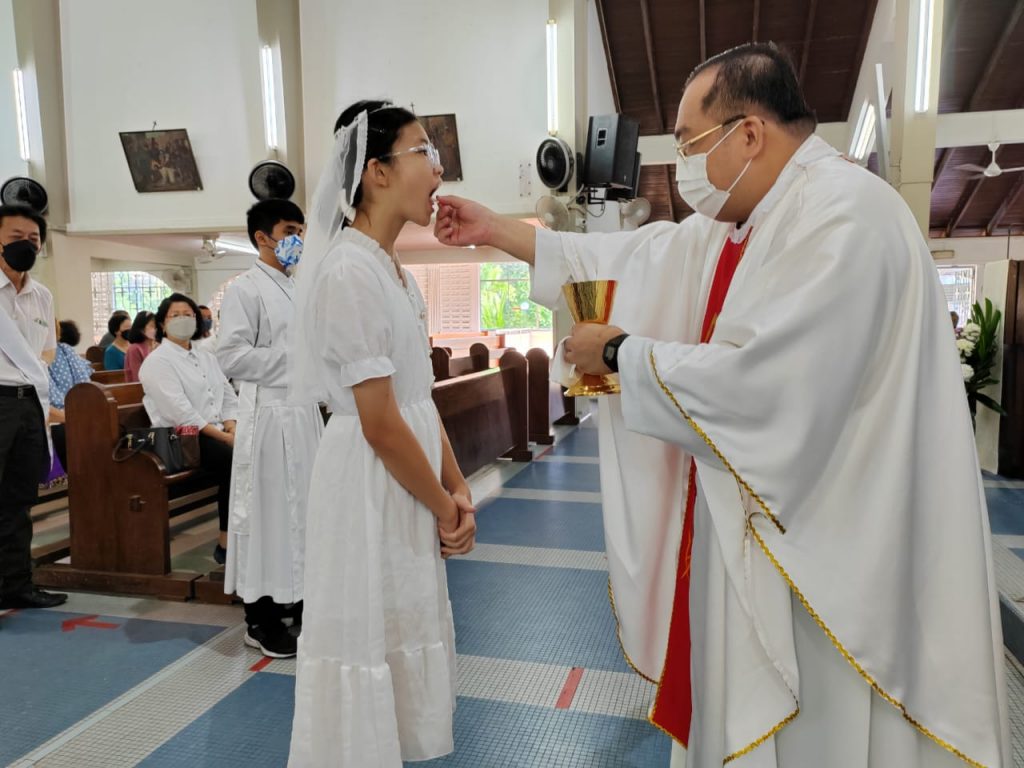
<point>184,386</point>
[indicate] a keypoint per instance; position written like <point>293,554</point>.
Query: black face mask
<point>20,255</point>
<point>125,335</point>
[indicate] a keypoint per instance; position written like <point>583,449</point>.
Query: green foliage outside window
<point>505,299</point>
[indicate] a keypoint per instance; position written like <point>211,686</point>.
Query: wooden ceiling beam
<point>808,34</point>
<point>703,32</point>
<point>608,54</point>
<point>645,15</point>
<point>671,199</point>
<point>962,205</point>
<point>862,44</point>
<point>1008,202</point>
<point>757,21</point>
<point>993,60</point>
<point>940,164</point>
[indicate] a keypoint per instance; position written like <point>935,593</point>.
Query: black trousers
<point>215,458</point>
<point>60,444</point>
<point>24,462</point>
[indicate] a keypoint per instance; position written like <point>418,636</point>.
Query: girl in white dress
<point>375,678</point>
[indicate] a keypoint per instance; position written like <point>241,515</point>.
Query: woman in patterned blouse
<point>66,370</point>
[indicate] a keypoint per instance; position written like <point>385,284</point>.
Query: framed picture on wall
<point>444,135</point>
<point>161,161</point>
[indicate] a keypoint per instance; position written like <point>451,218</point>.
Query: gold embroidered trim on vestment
<point>799,595</point>
<point>755,744</point>
<point>618,636</point>
<point>710,443</point>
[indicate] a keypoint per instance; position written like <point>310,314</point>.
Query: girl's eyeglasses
<point>424,149</point>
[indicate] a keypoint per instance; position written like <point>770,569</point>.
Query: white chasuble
<point>275,441</point>
<point>841,586</point>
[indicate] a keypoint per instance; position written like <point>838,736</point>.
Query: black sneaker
<point>220,555</point>
<point>274,641</point>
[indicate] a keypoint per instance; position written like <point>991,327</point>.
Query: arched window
<point>131,291</point>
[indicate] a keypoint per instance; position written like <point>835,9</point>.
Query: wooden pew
<point>447,367</point>
<point>460,343</point>
<point>120,512</point>
<point>485,413</point>
<point>109,377</point>
<point>94,355</point>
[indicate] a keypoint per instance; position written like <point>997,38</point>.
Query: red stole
<point>673,705</point>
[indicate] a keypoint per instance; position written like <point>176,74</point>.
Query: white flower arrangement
<point>966,347</point>
<point>967,371</point>
<point>972,332</point>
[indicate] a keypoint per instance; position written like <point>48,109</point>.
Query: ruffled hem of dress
<point>374,715</point>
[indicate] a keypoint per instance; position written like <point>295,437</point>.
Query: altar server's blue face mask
<point>288,251</point>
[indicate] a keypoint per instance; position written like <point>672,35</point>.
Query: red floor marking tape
<point>260,665</point>
<point>569,689</point>
<point>86,621</point>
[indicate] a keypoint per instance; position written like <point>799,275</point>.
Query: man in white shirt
<point>27,343</point>
<point>276,440</point>
<point>184,386</point>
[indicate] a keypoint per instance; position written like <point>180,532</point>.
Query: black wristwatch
<point>610,355</point>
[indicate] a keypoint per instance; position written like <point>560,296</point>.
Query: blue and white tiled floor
<point>106,682</point>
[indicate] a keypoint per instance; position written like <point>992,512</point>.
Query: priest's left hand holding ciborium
<point>593,348</point>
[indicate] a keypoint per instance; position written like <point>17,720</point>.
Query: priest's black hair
<point>385,122</point>
<point>757,75</point>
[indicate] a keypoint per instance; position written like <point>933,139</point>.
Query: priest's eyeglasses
<point>683,147</point>
<point>432,153</point>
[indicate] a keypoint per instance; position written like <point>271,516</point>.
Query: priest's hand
<point>461,222</point>
<point>585,347</point>
<point>462,539</point>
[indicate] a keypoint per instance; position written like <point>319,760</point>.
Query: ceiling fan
<point>991,170</point>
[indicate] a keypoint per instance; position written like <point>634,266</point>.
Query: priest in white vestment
<point>276,441</point>
<point>791,340</point>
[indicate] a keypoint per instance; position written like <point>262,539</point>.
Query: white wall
<point>11,163</point>
<point>190,64</point>
<point>483,60</point>
<point>210,276</point>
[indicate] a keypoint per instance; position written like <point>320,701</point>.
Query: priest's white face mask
<point>692,179</point>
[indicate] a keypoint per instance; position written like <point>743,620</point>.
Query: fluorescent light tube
<point>269,102</point>
<point>552,77</point>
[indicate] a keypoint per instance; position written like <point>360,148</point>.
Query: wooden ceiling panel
<point>1005,87</point>
<point>654,187</point>
<point>729,23</point>
<point>675,30</point>
<point>977,28</point>
<point>658,185</point>
<point>624,27</point>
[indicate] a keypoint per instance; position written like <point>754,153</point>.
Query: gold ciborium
<point>591,302</point>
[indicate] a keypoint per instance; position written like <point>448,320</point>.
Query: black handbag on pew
<point>160,441</point>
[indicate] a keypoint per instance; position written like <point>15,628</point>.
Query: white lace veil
<point>332,203</point>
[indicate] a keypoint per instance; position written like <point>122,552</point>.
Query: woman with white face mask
<point>143,341</point>
<point>184,386</point>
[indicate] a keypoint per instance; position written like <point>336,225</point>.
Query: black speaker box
<point>611,151</point>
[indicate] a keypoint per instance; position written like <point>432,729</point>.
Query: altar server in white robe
<point>276,441</point>
<point>836,603</point>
